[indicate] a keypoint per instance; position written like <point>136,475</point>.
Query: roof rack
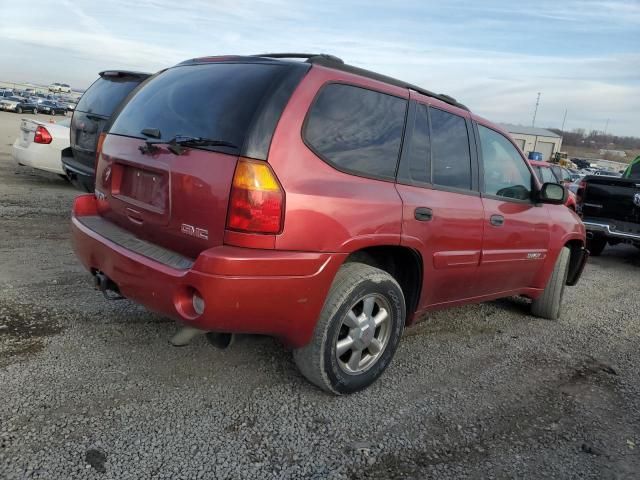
<point>338,64</point>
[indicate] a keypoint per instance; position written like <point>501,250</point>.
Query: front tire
<point>19,110</point>
<point>548,304</point>
<point>53,112</point>
<point>357,333</point>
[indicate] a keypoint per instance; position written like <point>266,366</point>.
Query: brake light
<point>42,135</point>
<point>99,147</point>
<point>256,200</point>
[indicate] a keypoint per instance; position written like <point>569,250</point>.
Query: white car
<point>59,87</point>
<point>41,145</point>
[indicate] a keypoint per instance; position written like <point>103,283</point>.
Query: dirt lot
<point>91,389</point>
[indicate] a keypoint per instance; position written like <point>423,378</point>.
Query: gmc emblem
<point>192,231</point>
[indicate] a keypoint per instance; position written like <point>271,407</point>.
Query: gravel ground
<point>90,389</point>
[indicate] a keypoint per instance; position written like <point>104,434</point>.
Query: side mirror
<point>553,193</point>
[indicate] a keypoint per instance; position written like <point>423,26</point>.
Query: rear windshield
<point>104,95</point>
<point>217,101</point>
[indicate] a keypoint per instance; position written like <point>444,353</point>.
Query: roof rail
<point>327,61</point>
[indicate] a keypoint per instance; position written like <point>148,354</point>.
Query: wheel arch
<point>402,263</point>
<point>576,247</point>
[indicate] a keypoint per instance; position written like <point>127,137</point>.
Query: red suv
<point>319,203</point>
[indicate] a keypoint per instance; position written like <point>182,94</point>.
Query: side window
<point>415,165</point>
<point>505,172</point>
<point>357,130</point>
<point>450,156</point>
<point>548,175</point>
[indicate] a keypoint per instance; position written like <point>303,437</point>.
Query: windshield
<point>214,101</point>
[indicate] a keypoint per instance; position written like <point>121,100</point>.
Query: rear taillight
<point>580,192</point>
<point>42,135</point>
<point>256,200</point>
<point>99,147</point>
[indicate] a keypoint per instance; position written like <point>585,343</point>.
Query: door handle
<point>423,214</point>
<point>496,220</point>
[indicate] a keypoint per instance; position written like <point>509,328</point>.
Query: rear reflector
<point>42,135</point>
<point>256,200</point>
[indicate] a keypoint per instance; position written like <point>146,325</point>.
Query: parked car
<point>606,173</point>
<point>319,203</point>
<point>6,94</point>
<point>52,108</point>
<point>91,115</point>
<point>41,145</point>
<point>59,87</point>
<point>547,172</point>
<point>610,209</point>
<point>18,105</point>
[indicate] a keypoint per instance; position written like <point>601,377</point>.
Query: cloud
<point>494,55</point>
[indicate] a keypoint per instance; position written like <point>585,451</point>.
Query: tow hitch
<point>107,286</point>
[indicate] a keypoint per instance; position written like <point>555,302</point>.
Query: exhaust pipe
<point>589,235</point>
<point>108,287</point>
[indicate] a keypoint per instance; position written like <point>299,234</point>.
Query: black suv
<point>90,118</point>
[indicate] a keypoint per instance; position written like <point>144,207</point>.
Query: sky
<point>494,56</point>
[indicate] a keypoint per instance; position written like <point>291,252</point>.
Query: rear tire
<point>53,112</point>
<point>548,304</point>
<point>596,245</point>
<point>357,333</point>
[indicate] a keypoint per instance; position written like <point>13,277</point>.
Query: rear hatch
<point>177,198</point>
<point>611,198</point>
<point>94,111</point>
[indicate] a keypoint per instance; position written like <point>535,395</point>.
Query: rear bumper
<point>610,231</point>
<point>42,157</point>
<point>81,176</point>
<point>245,290</point>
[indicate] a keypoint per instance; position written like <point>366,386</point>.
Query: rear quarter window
<point>356,130</point>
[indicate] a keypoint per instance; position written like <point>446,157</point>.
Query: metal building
<point>532,139</point>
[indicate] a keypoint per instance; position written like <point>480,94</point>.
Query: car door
<point>516,229</point>
<point>442,208</point>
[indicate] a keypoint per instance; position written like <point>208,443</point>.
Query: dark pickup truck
<point>610,209</point>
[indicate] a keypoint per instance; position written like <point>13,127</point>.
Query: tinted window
<point>549,175</point>
<point>104,95</point>
<point>505,171</point>
<point>215,101</point>
<point>450,156</point>
<point>417,153</point>
<point>356,129</point>
<point>544,174</point>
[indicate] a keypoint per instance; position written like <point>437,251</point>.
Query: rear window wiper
<point>176,144</point>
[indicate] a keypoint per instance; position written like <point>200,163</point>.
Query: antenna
<point>535,112</point>
<point>564,119</point>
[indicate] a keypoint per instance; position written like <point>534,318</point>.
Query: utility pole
<point>564,119</point>
<point>535,112</point>
<point>606,127</point>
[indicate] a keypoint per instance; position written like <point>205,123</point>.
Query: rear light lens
<point>42,135</point>
<point>257,199</point>
<point>99,147</point>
